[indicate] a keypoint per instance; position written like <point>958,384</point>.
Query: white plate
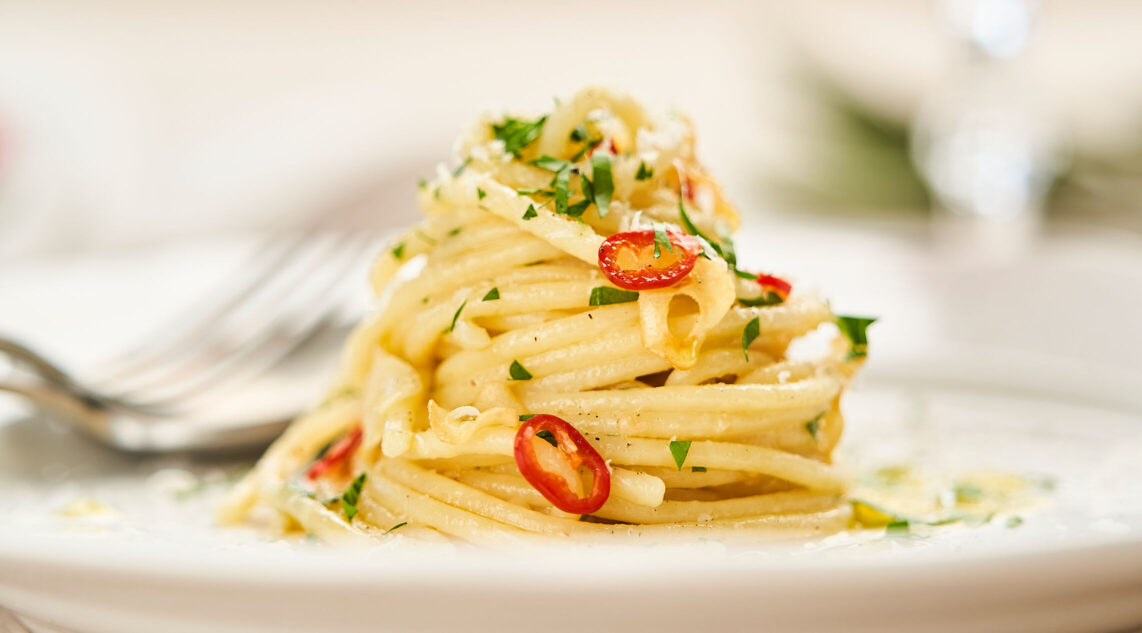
<point>155,562</point>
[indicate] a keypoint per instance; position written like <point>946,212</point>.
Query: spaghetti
<point>566,346</point>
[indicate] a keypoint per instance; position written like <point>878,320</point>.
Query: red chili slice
<point>576,450</point>
<point>776,285</point>
<point>337,453</point>
<point>628,260</point>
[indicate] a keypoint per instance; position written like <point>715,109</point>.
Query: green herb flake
<point>661,240</point>
<point>644,172</point>
<point>579,134</point>
<point>605,295</point>
<point>421,183</point>
<point>398,251</point>
<point>518,372</point>
<point>814,426</point>
<point>576,210</point>
<point>766,298</point>
<point>351,496</point>
<point>697,469</point>
<point>603,185</point>
<point>691,228</point>
<point>749,335</point>
<point>745,275</point>
<point>480,193</point>
<point>900,526</point>
<point>436,192</point>
<point>530,213</point>
<point>525,417</point>
<point>456,317</point>
<point>550,163</point>
<point>460,169</point>
<point>493,295</point>
<point>679,449</point>
<point>456,231</point>
<point>518,133</point>
<point>548,437</point>
<point>855,330</point>
<point>395,527</point>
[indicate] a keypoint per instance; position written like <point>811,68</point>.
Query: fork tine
<point>264,263</point>
<point>279,274</point>
<point>275,330</point>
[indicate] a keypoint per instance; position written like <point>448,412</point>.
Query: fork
<point>173,395</point>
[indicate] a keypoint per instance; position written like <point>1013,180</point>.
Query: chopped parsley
<point>460,169</point>
<point>518,372</point>
<point>530,213</point>
<point>550,163</point>
<point>644,172</point>
<point>421,183</point>
<point>679,449</point>
<point>661,240</point>
<point>492,295</point>
<point>814,425</point>
<point>454,232</point>
<point>456,317</point>
<point>480,193</point>
<point>398,251</point>
<point>766,298</point>
<point>351,496</point>
<point>697,469</point>
<point>518,133</point>
<point>525,417</point>
<point>603,186</point>
<point>395,527</point>
<point>855,330</point>
<point>548,436</point>
<point>749,334</point>
<point>579,134</point>
<point>605,295</point>
<point>436,192</point>
<point>899,526</point>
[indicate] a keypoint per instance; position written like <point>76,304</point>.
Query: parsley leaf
<point>900,526</point>
<point>492,295</point>
<point>518,372</point>
<point>749,334</point>
<point>814,425</point>
<point>644,172</point>
<point>550,163</point>
<point>855,330</point>
<point>548,437</point>
<point>518,133</point>
<point>456,316</point>
<point>697,469</point>
<point>745,275</point>
<point>460,169</point>
<point>679,449</point>
<point>398,251</point>
<point>530,213</point>
<point>421,183</point>
<point>351,496</point>
<point>480,193</point>
<point>766,298</point>
<point>577,209</point>
<point>454,232</point>
<point>728,252</point>
<point>579,134</point>
<point>661,240</point>
<point>605,295</point>
<point>693,229</point>
<point>525,417</point>
<point>562,183</point>
<point>395,527</point>
<point>604,185</point>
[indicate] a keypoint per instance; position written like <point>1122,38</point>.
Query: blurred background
<point>968,169</point>
<point>129,122</point>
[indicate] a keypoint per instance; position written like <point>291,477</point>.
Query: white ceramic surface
<point>940,394</point>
